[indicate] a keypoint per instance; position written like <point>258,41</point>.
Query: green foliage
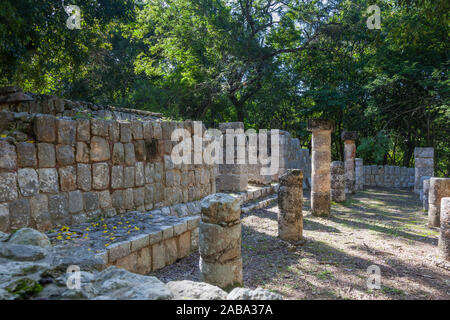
<point>25,288</point>
<point>373,149</point>
<point>270,64</point>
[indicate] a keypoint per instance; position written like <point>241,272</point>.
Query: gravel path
<point>383,227</point>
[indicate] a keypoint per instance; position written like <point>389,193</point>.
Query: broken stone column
<point>290,199</point>
<point>337,181</point>
<point>424,166</point>
<point>233,174</point>
<point>349,138</point>
<point>321,158</point>
<point>426,190</point>
<point>439,188</point>
<point>359,174</point>
<point>444,235</point>
<point>220,241</point>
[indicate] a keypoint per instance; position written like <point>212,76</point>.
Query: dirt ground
<point>383,227</point>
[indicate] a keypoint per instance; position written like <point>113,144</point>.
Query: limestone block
<point>46,155</point>
<point>68,178</point>
<point>66,131</point>
<point>8,156</point>
<point>221,275</point>
<point>58,209</point>
<point>444,234</point>
<point>117,177</point>
<point>118,156</point>
<point>130,156</point>
<point>75,201</point>
<point>100,127</point>
<point>26,154</point>
<point>19,213</point>
<point>84,177</point>
<point>48,180</point>
<point>100,176</point>
<point>65,155</point>
<point>83,130</point>
<point>439,188</point>
<point>125,132</point>
<point>28,181</point>
<point>45,128</point>
<point>83,152</point>
<point>40,215</point>
<point>99,149</point>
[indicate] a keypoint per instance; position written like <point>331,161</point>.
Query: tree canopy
<point>268,63</point>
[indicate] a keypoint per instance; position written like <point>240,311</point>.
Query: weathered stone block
<point>184,245</point>
<point>140,241</point>
<point>139,147</point>
<point>68,178</point>
<point>4,217</point>
<point>99,127</point>
<point>8,156</point>
<point>75,201</point>
<point>140,174</point>
<point>84,179</point>
<point>40,215</point>
<point>104,198</point>
<point>137,130</point>
<point>117,177</point>
<point>66,131</point>
<point>444,234</point>
<point>118,156</point>
<point>219,244</point>
<point>147,130</point>
<point>157,130</point>
<point>65,155</point>
<point>91,201</point>
<point>48,180</point>
<point>158,256</point>
<point>99,149</point>
<point>130,157</point>
<point>46,155</point>
<point>83,153</point>
<point>28,181</point>
<point>26,154</point>
<point>114,131</point>
<point>117,199</point>
<point>128,199</point>
<point>100,176</point>
<point>128,177</point>
<point>125,132</point>
<point>19,213</point>
<point>58,208</point>
<point>83,130</point>
<point>45,128</point>
<point>221,275</point>
<point>119,250</point>
<point>220,207</point>
<point>144,260</point>
<point>439,188</point>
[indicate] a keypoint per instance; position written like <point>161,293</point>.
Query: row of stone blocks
<point>255,193</point>
<point>388,176</point>
<point>152,251</point>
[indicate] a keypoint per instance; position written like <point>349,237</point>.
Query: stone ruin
<point>65,163</point>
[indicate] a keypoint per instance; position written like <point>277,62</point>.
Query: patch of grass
<point>390,290</point>
<point>324,275</point>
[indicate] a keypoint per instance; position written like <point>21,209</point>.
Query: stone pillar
<point>439,188</point>
<point>337,181</point>
<point>233,176</point>
<point>290,199</point>
<point>426,190</point>
<point>424,166</point>
<point>422,181</point>
<point>220,241</point>
<point>359,174</point>
<point>349,138</point>
<point>444,235</point>
<point>321,158</point>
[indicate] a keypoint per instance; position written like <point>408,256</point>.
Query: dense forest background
<point>268,63</point>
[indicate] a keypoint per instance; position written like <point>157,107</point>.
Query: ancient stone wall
<point>388,176</point>
<point>62,170</point>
